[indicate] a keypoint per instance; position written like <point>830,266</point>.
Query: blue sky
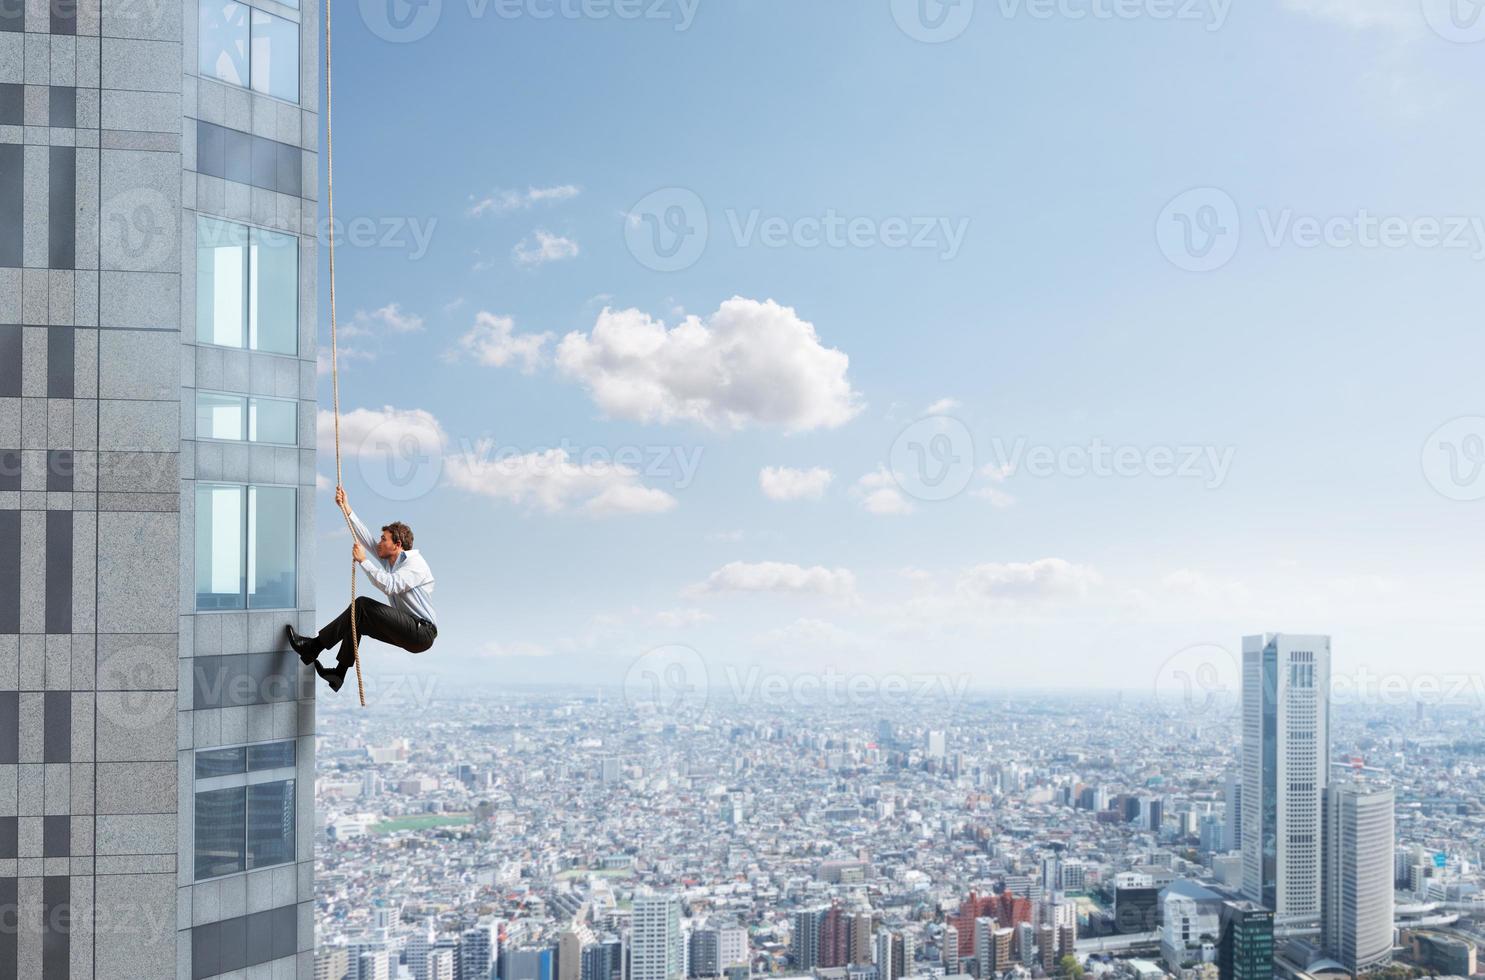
<point>1008,268</point>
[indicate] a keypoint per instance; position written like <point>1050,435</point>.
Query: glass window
<point>271,755</point>
<point>274,315</point>
<point>275,56</point>
<point>221,841</point>
<point>235,417</point>
<point>270,823</point>
<point>271,531</point>
<point>223,38</point>
<point>219,547</point>
<point>273,420</point>
<point>245,546</point>
<point>221,282</point>
<point>221,762</point>
<point>219,416</point>
<point>247,287</point>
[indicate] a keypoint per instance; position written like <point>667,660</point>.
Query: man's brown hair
<point>401,533</point>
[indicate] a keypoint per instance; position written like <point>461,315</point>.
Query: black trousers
<point>380,622</point>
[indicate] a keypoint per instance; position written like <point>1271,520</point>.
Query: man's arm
<point>408,577</point>
<point>362,532</point>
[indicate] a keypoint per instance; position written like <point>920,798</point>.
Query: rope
<point>334,349</point>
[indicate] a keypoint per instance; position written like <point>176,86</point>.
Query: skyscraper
<point>1232,818</point>
<point>655,944</point>
<point>1286,760</point>
<point>804,938</point>
<point>1356,929</point>
<point>157,468</point>
<point>1245,948</point>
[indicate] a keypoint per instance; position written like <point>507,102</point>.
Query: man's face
<point>386,548</point>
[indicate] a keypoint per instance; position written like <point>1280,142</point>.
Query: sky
<point>1005,344</point>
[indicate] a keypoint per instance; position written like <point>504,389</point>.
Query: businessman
<point>400,572</point>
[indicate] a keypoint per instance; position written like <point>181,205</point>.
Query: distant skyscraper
<point>479,950</point>
<point>951,950</point>
<point>1356,929</point>
<point>936,745</point>
<point>1286,765</point>
<point>569,955</point>
<point>895,954</point>
<point>1232,819</point>
<point>441,964</point>
<point>655,945</point>
<point>1245,949</point>
<point>804,939</point>
<point>859,937</point>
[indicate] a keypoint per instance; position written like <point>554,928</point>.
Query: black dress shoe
<point>332,676</point>
<point>307,647</point>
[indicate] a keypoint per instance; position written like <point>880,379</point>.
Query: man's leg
<point>378,621</point>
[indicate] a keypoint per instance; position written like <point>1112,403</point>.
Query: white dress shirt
<point>408,582</point>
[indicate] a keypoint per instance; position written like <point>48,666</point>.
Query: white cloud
<point>542,247</point>
<point>383,432</point>
<point>996,473</point>
<point>551,481</point>
<point>787,483</point>
<point>1042,579</point>
<point>493,342</point>
<point>749,363</point>
<point>811,634</point>
<point>390,316</point>
<point>513,200</point>
<point>879,494</point>
<point>777,576</point>
<point>678,618</point>
<point>942,406</point>
<point>1400,15</point>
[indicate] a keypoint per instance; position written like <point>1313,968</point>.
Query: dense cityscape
<point>592,834</point>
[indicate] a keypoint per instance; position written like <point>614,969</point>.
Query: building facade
<point>158,174</point>
<point>655,950</point>
<point>1286,765</point>
<point>1246,948</point>
<point>1356,929</point>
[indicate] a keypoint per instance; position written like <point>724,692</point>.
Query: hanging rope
<point>334,349</point>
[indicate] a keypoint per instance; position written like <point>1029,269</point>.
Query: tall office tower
<point>569,955</point>
<point>603,961</point>
<point>704,957</point>
<point>1356,929</point>
<point>804,939</point>
<point>951,950</point>
<point>331,963</point>
<point>834,935</point>
<point>1232,818</point>
<point>655,951</point>
<point>374,965</point>
<point>1026,942</point>
<point>157,468</point>
<point>984,945</point>
<point>1052,874</point>
<point>858,935</point>
<point>1046,946</point>
<point>441,964</point>
<point>479,951</point>
<point>732,946</point>
<point>1245,949</point>
<point>608,769</point>
<point>415,951</point>
<point>935,745</point>
<point>1286,765</point>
